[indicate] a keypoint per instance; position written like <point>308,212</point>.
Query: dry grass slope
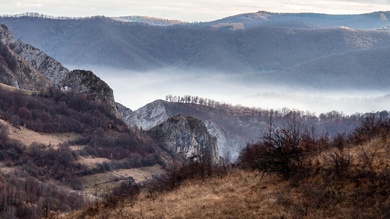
<point>27,137</point>
<point>361,191</point>
<point>240,194</point>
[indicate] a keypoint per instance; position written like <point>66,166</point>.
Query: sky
<point>192,11</point>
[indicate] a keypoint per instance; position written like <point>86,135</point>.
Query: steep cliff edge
<point>26,67</point>
<point>45,64</point>
<point>6,36</point>
<point>14,70</point>
<point>151,115</point>
<point>127,115</point>
<point>229,143</point>
<point>86,82</point>
<point>187,136</point>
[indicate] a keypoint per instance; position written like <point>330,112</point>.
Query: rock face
<point>229,143</point>
<point>26,67</point>
<point>127,115</point>
<point>86,82</point>
<point>151,115</point>
<point>6,36</point>
<point>188,136</point>
<point>45,64</point>
<point>14,70</point>
<point>225,149</point>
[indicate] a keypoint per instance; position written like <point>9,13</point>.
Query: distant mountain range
<point>314,50</point>
<point>370,21</point>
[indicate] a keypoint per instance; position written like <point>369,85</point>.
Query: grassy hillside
<point>347,178</point>
<point>60,151</point>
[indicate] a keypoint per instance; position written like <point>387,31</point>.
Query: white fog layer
<point>136,89</point>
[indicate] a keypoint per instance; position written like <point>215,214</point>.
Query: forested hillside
<point>269,48</point>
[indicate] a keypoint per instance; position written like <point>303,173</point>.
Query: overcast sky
<point>195,10</point>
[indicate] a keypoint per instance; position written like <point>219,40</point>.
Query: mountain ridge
<point>207,47</point>
<point>247,18</point>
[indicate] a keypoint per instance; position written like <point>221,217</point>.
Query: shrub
<point>56,111</point>
<point>281,151</point>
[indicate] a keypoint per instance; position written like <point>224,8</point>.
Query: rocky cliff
<point>127,115</point>
<point>151,115</point>
<point>26,67</point>
<point>14,70</point>
<point>86,82</point>
<point>218,123</point>
<point>39,60</point>
<point>187,136</point>
<point>6,36</point>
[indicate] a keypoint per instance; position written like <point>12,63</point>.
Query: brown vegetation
<point>342,177</point>
<point>43,173</point>
<point>56,112</point>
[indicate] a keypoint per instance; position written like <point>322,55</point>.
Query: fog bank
<point>136,89</point>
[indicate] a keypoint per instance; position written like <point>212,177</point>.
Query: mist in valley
<point>136,89</point>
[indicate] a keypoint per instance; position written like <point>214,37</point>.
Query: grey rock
<point>187,136</point>
<point>45,64</point>
<point>86,82</point>
<point>151,115</point>
<point>14,70</point>
<point>127,115</point>
<point>6,36</point>
<point>27,67</point>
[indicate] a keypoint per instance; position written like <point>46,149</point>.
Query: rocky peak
<point>127,115</point>
<point>26,67</point>
<point>186,135</point>
<point>86,82</point>
<point>79,81</point>
<point>45,64</point>
<point>6,36</point>
<point>16,72</point>
<point>151,115</point>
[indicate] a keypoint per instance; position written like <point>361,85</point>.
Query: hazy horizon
<point>198,10</point>
<point>136,89</point>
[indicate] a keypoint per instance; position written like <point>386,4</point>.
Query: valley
<point>257,115</point>
<point>310,62</point>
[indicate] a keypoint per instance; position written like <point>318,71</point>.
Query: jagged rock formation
<point>26,67</point>
<point>223,142</point>
<point>153,114</point>
<point>86,82</point>
<point>187,136</point>
<point>127,115</point>
<point>184,135</point>
<point>45,64</point>
<point>14,70</point>
<point>6,36</point>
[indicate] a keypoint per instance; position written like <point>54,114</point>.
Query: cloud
<point>28,5</point>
